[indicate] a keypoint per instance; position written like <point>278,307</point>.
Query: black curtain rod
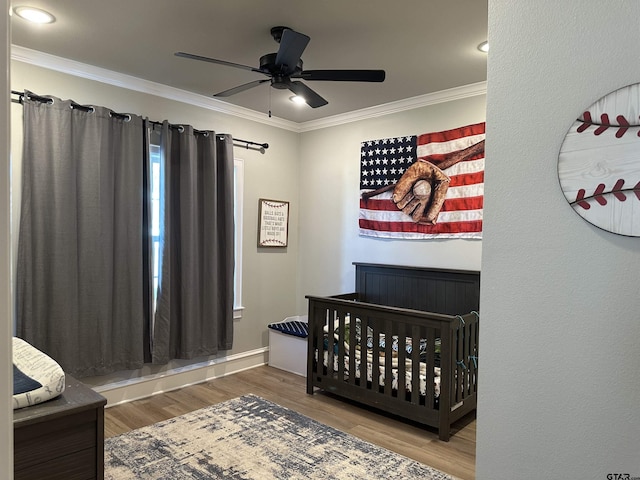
<point>247,144</point>
<point>258,146</point>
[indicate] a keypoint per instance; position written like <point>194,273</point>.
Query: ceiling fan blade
<point>220,62</point>
<point>292,44</point>
<point>343,75</point>
<point>311,98</point>
<point>240,88</point>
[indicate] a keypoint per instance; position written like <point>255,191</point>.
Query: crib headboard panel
<point>438,290</point>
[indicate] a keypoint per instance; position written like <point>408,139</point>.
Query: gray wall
<point>559,385</point>
<point>329,200</point>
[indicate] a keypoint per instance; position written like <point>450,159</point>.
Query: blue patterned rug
<point>250,438</point>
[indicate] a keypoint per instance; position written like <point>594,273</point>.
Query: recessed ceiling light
<point>484,47</point>
<point>34,15</point>
<point>298,100</point>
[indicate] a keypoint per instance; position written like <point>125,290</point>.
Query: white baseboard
<point>173,379</point>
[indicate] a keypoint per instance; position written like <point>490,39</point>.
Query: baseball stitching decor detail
<point>423,186</point>
<point>273,223</point>
<point>599,163</point>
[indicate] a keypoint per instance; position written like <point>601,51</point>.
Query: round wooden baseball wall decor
<point>599,163</point>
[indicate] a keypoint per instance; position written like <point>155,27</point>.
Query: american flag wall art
<point>423,186</point>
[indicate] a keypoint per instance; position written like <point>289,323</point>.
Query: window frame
<point>155,158</point>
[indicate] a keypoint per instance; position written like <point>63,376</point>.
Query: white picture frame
<point>273,223</point>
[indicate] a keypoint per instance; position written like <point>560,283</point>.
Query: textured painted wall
<point>559,338</point>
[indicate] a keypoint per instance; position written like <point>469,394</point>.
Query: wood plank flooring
<point>456,457</point>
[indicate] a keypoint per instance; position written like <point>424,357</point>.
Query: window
<point>238,190</point>
<point>155,155</point>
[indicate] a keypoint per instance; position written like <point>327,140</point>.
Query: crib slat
<point>340,343</point>
<point>325,316</point>
<point>401,358</point>
<point>460,365</point>
<point>466,360</point>
<point>352,346</point>
<point>332,348</point>
<point>468,345</point>
<point>473,358</point>
<point>416,333</point>
<point>375,367</point>
<point>431,361</point>
<point>388,372</point>
<point>320,339</point>
<point>363,354</point>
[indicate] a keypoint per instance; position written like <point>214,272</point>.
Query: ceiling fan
<point>284,65</point>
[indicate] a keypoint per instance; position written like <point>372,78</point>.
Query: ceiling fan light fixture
<point>484,47</point>
<point>35,15</point>
<point>298,100</point>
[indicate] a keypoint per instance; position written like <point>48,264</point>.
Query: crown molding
<point>98,74</point>
<point>91,72</point>
<point>442,96</point>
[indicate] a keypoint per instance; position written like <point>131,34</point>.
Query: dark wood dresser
<point>62,439</point>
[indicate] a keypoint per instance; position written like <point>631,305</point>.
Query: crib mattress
<point>37,377</point>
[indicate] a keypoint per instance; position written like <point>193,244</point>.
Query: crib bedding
<point>382,372</point>
<point>408,343</point>
<point>39,377</point>
<point>370,340</point>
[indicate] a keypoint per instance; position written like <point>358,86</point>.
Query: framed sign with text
<point>273,223</point>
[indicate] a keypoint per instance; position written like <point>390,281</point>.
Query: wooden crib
<point>412,323</point>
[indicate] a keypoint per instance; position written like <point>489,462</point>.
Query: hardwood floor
<point>456,457</point>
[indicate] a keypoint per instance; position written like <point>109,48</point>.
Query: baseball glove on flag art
<point>425,186</point>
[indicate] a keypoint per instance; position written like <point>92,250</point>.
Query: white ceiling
<point>424,46</point>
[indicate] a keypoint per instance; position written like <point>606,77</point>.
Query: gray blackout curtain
<point>194,313</point>
<point>80,294</point>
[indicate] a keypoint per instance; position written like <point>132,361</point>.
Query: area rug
<point>250,438</point>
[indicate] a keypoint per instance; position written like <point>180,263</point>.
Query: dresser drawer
<point>43,442</point>
<point>75,466</point>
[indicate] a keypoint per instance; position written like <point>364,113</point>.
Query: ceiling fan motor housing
<point>281,83</point>
<point>268,65</point>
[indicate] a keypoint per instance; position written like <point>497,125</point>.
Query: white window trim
<point>238,165</point>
